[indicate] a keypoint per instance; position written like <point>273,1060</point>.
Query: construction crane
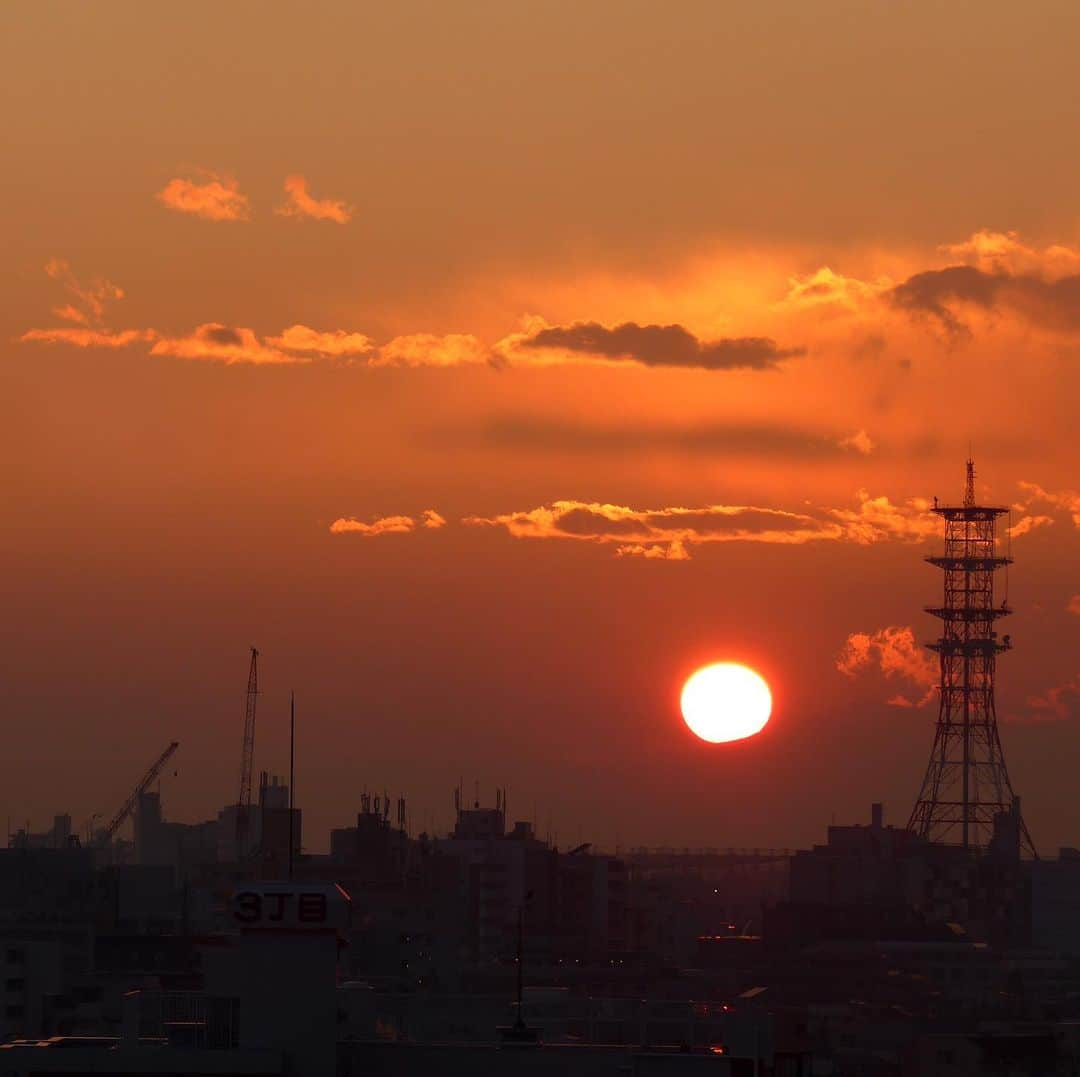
<point>247,755</point>
<point>129,805</point>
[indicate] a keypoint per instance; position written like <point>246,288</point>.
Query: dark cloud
<point>1050,304</point>
<point>220,334</point>
<point>582,521</point>
<point>527,432</point>
<point>661,345</point>
<point>1062,702</point>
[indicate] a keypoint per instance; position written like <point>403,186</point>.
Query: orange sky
<point>492,366</point>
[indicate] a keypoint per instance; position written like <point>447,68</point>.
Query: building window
<point>13,1011</point>
<point>16,983</point>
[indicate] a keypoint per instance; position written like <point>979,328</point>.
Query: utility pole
<point>292,778</point>
<point>520,1022</point>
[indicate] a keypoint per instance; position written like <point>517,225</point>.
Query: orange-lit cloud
<point>299,203</point>
<point>427,349</point>
<point>1003,253</point>
<point>628,528</point>
<point>88,338</point>
<point>336,342</point>
<point>1067,501</point>
<point>993,274</point>
<point>674,551</point>
<point>877,518</point>
<point>214,198</point>
<point>90,299</point>
<point>221,343</point>
<point>296,344</point>
<point>647,345</point>
<point>1026,524</point>
<point>823,288</point>
<point>386,525</point>
<point>1074,605</point>
<point>70,313</point>
<point>859,441</point>
<point>894,653</point>
<point>87,312</point>
<point>834,314</point>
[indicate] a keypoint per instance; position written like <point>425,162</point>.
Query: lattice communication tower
<point>967,784</point>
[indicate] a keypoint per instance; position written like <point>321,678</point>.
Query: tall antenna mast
<point>967,785</point>
<point>247,755</point>
<point>292,778</point>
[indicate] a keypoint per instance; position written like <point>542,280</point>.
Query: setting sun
<point>726,701</point>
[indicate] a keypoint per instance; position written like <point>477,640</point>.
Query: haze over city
<point>492,368</point>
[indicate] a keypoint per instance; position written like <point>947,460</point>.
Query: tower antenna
<point>247,756</point>
<point>966,785</point>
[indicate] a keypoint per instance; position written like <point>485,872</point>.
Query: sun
<point>726,701</point>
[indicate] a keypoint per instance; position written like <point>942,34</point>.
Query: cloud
<point>992,272</point>
<point>859,441</point>
<point>874,520</point>
<point>1064,500</point>
<point>1000,253</point>
<point>385,525</point>
<point>427,349</point>
<point>877,519</point>
<point>216,342</point>
<point>1026,524</point>
<point>90,299</point>
<point>989,272</point>
<point>87,312</point>
<point>824,288</point>
<point>674,551</point>
<point>900,700</point>
<point>894,653</point>
<point>70,313</point>
<point>336,342</point>
<point>88,338</point>
<point>934,292</point>
<point>1056,704</point>
<point>215,198</point>
<point>296,344</point>
<point>738,438</point>
<point>1074,605</point>
<point>941,293</point>
<point>300,344</point>
<point>300,204</point>
<point>648,345</point>
<point>619,525</point>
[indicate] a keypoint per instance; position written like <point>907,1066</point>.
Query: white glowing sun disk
<point>726,701</point>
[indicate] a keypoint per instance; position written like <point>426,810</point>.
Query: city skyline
<point>505,370</point>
